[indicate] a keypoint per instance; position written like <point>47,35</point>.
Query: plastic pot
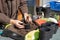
<point>8,33</point>
<point>51,25</point>
<point>45,33</point>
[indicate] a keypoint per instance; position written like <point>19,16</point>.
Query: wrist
<point>11,21</point>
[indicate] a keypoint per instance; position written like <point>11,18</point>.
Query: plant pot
<point>13,35</point>
<point>45,33</point>
<point>52,26</point>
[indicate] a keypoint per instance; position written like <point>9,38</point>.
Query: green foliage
<point>56,17</point>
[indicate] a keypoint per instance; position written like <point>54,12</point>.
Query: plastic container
<point>54,5</point>
<point>47,30</point>
<point>45,33</point>
<point>13,35</point>
<point>51,25</point>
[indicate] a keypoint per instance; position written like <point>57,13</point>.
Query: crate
<point>55,5</point>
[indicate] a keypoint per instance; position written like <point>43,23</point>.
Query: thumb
<point>20,22</point>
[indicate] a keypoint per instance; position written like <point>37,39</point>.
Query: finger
<point>30,19</point>
<point>20,26</point>
<point>27,18</point>
<point>20,22</point>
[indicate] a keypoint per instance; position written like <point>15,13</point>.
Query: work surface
<point>54,37</point>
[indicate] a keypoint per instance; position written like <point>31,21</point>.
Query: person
<point>8,12</point>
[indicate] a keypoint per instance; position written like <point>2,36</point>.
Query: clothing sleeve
<point>23,6</point>
<point>4,19</point>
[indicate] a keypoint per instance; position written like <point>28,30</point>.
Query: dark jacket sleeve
<point>23,6</point>
<point>3,18</point>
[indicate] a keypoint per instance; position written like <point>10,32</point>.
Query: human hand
<point>17,23</point>
<point>27,17</point>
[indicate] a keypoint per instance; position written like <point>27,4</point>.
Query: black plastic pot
<point>51,25</point>
<point>27,26</point>
<point>47,30</point>
<point>8,33</point>
<point>45,33</point>
<point>56,27</point>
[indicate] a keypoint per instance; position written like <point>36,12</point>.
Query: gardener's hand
<point>17,23</point>
<point>27,17</point>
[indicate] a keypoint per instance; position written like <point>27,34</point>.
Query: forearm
<point>4,19</point>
